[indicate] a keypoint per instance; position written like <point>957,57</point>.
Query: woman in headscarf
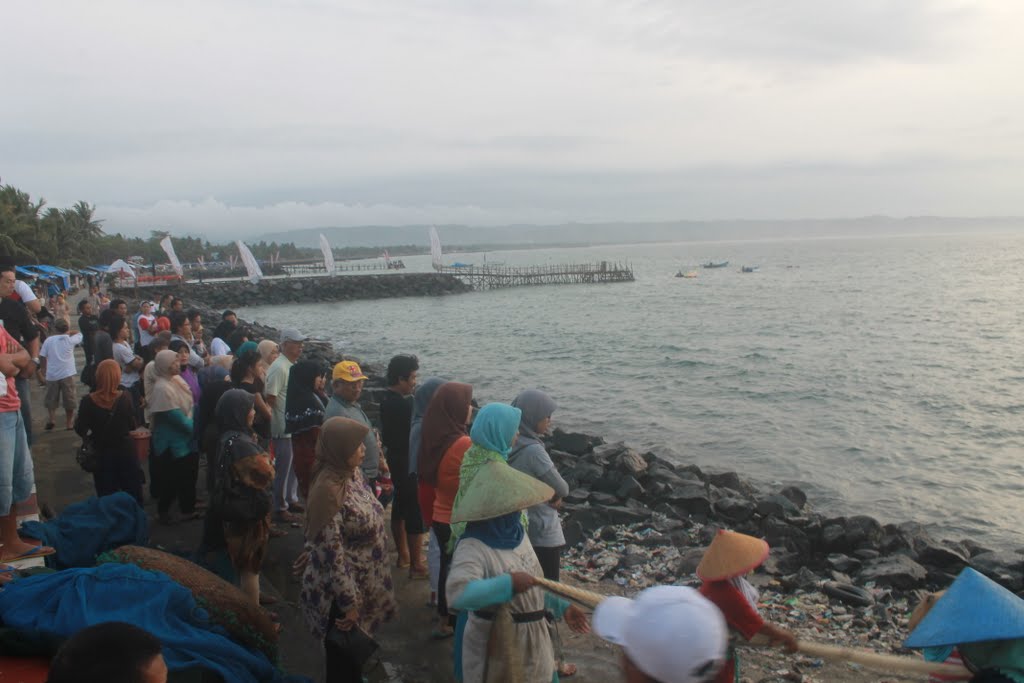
<point>530,457</point>
<point>175,463</point>
<point>106,416</point>
<point>494,570</point>
<point>269,351</point>
<point>346,583</point>
<point>421,399</point>
<point>245,375</point>
<point>494,432</point>
<point>186,373</point>
<point>239,517</point>
<point>443,443</point>
<point>303,415</point>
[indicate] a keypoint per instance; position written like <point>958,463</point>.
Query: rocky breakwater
<point>311,290</point>
<point>633,520</point>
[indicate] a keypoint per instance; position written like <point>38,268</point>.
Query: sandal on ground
<point>403,564</point>
<point>296,508</point>
<point>49,426</point>
<point>442,632</point>
<point>565,670</point>
<point>419,575</point>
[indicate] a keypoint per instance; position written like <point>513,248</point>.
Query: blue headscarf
<point>495,426</point>
<point>502,533</point>
<point>421,399</point>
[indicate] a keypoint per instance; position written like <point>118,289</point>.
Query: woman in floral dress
<point>346,583</point>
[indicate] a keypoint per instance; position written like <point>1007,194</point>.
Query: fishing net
<point>228,607</point>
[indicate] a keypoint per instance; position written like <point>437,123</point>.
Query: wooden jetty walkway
<point>495,277</point>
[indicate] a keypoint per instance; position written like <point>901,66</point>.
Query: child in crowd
<point>727,560</point>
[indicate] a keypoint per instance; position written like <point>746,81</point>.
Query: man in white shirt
<point>145,324</point>
<point>28,297</point>
<point>57,363</point>
<point>286,489</point>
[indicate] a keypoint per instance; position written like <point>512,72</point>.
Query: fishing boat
<point>750,269</point>
<point>716,264</point>
<point>688,274</point>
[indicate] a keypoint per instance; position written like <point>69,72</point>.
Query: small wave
<point>757,356</point>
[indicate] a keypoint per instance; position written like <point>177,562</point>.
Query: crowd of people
<point>473,492</point>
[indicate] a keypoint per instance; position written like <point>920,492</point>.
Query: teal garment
<point>172,431</point>
<point>1005,656</point>
<point>246,347</point>
<point>937,654</point>
<point>495,426</point>
<point>486,593</point>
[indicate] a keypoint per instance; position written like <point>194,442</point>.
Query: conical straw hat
<point>731,554</point>
<point>498,489</point>
<point>974,609</point>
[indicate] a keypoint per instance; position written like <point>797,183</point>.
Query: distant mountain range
<point>627,233</point>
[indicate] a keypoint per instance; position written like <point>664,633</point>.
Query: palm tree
<point>19,224</point>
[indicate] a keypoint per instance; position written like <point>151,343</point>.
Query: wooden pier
<point>495,277</point>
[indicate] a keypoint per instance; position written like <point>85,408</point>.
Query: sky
<point>232,118</point>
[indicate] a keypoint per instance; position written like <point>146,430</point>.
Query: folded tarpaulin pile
<point>64,602</point>
<point>86,529</point>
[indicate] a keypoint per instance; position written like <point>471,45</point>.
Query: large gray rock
<point>777,505</point>
<point>780,534</point>
<point>733,482</point>
<point>630,462</point>
<point>1005,568</point>
<point>895,571</point>
<point>863,532</point>
<point>574,442</point>
<point>941,556</point>
<point>734,508</point>
<point>692,498</point>
<point>795,496</point>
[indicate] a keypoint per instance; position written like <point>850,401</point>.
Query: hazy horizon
<point>234,119</point>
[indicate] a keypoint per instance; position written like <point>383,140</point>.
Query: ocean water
<point>884,375</point>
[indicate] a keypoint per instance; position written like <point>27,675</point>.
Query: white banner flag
<point>253,268</point>
<point>435,248</point>
<point>325,247</point>
<point>169,250</point>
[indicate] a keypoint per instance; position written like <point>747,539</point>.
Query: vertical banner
<point>325,247</point>
<point>253,268</point>
<point>168,248</point>
<point>435,248</point>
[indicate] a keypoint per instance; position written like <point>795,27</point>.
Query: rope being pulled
<point>866,658</point>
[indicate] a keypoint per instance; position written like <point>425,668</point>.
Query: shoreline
<point>612,484</point>
<point>633,520</point>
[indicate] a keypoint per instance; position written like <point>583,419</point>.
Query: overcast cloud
<point>237,117</point>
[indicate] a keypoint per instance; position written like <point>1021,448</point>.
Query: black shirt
<point>109,428</point>
<point>395,423</point>
<point>16,321</point>
<point>87,325</point>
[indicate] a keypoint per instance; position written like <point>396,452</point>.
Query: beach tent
<point>121,266</point>
<point>52,272</point>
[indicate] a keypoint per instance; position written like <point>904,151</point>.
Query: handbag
<point>86,456</point>
<point>357,644</point>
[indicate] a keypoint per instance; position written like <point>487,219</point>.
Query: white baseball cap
<point>671,633</point>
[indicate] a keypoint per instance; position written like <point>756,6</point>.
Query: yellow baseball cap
<point>348,371</point>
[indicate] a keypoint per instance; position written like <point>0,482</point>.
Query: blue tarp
<point>65,602</point>
<point>86,529</point>
<point>53,271</point>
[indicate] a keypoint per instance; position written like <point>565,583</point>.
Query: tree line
<point>32,232</point>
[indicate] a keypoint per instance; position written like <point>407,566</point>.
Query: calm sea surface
<point>884,374</point>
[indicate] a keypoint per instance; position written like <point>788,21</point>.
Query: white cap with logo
<point>671,633</point>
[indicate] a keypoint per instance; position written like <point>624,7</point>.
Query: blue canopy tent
<point>63,275</point>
